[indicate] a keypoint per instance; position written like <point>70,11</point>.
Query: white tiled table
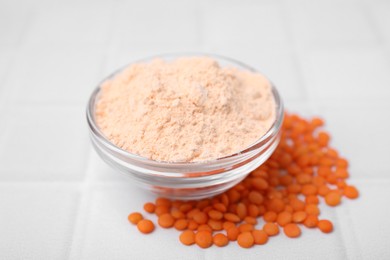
<point>58,200</point>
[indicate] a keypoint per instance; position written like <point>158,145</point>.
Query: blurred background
<point>58,200</point>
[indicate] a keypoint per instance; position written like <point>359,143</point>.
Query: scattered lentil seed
<point>245,240</point>
<point>325,226</point>
<point>292,230</point>
<point>284,218</point>
<point>204,239</point>
<point>333,198</point>
<point>181,224</point>
<point>145,226</point>
<point>135,217</point>
<point>260,237</point>
<point>220,240</point>
<point>187,237</point>
<point>302,164</point>
<point>311,221</point>
<point>149,207</point>
<point>351,192</point>
<point>271,229</point>
<point>299,216</point>
<point>232,233</point>
<point>166,220</point>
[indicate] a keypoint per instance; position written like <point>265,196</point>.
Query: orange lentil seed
<point>312,199</point>
<point>220,207</point>
<point>241,210</point>
<point>163,202</point>
<point>220,240</point>
<point>215,224</point>
<point>135,217</point>
<point>166,220</point>
<point>284,218</point>
<point>271,229</point>
<point>216,215</point>
<point>192,225</point>
<point>160,210</point>
<point>250,220</point>
<point>149,207</point>
<point>181,224</point>
<point>245,227</point>
<point>145,226</point>
<point>187,237</point>
<point>283,191</point>
<point>200,218</point>
<point>312,209</point>
<point>253,210</point>
<point>311,221</point>
<point>299,216</point>
<point>227,224</point>
<point>231,217</point>
<point>260,237</point>
<point>333,198</point>
<point>203,239</point>
<point>270,216</point>
<point>232,233</point>
<point>205,227</point>
<point>245,240</point>
<point>292,230</point>
<point>177,214</point>
<point>351,192</point>
<point>325,226</point>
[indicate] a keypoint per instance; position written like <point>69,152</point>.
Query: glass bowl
<point>187,180</point>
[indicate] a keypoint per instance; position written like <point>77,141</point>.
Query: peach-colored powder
<point>186,110</point>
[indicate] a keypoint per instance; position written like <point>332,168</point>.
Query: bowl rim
<point>272,131</point>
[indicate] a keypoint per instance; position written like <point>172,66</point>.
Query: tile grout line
<point>294,52</point>
<point>6,95</point>
<point>356,253</point>
<point>297,54</point>
<point>10,65</point>
<point>79,230</point>
<point>78,234</point>
<point>367,12</point>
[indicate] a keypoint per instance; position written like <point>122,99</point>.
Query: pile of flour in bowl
<point>186,110</point>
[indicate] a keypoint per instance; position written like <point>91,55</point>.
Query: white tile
<point>330,23</point>
<point>310,243</point>
<point>156,23</point>
<point>361,134</point>
<point>99,171</point>
<point>6,57</point>
<point>245,1</point>
<point>44,143</point>
<point>278,64</point>
<point>3,127</point>
<point>55,75</point>
<point>380,13</point>
<point>71,23</point>
<point>122,54</point>
<point>304,109</point>
<point>367,229</point>
<point>109,235</point>
<point>14,20</point>
<point>243,25</point>
<point>347,75</point>
<point>36,221</point>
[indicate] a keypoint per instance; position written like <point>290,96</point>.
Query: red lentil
<point>285,192</point>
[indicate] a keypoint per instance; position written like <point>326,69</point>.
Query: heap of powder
<point>186,110</point>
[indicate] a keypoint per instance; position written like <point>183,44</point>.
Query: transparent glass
<point>187,180</point>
